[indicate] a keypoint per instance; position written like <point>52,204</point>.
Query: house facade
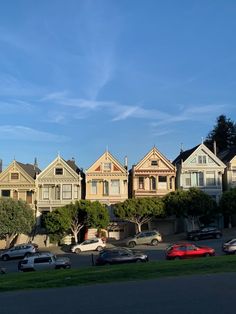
<point>200,167</point>
<point>154,175</point>
<point>107,180</point>
<point>60,183</point>
<point>228,157</point>
<point>18,182</point>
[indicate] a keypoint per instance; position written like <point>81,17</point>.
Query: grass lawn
<point>115,273</point>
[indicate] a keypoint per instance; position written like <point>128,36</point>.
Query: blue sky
<point>79,76</point>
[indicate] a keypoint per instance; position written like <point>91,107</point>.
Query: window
<point>29,197</point>
<point>58,192</point>
<point>107,166</point>
<point>94,187</point>
<point>75,191</point>
<point>197,179</point>
<point>187,179</point>
<point>154,163</point>
<point>59,171</point>
<point>153,184</point>
<point>6,193</point>
<point>115,187</point>
<point>210,178</point>
<point>141,183</point>
<point>46,192</point>
<point>67,191</point>
<point>14,176</point>
<point>202,159</point>
<point>105,188</point>
<point>162,182</point>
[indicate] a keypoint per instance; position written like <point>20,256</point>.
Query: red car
<point>188,250</point>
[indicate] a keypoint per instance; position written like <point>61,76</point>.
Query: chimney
<point>214,147</point>
<point>181,148</point>
<point>0,165</point>
<point>35,163</point>
<point>126,162</point>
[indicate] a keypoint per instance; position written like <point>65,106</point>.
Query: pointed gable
<point>199,156</point>
<point>59,168</point>
<point>18,172</point>
<point>154,161</point>
<point>106,163</point>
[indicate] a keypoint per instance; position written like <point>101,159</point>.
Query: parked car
<point>229,247</point>
<point>120,256</point>
<point>188,250</point>
<point>204,233</point>
<point>18,251</point>
<point>43,261</point>
<point>95,244</point>
<point>145,237</point>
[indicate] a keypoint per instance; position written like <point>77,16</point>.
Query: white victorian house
<point>200,167</point>
<point>60,183</point>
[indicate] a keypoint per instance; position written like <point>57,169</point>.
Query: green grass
<point>115,273</point>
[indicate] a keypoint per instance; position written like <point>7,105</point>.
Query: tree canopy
<point>140,210</point>
<point>15,217</point>
<point>73,217</point>
<point>227,205</point>
<point>223,133</point>
<point>190,203</point>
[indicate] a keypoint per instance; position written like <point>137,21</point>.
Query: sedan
<point>188,250</point>
<point>229,247</point>
<point>120,256</point>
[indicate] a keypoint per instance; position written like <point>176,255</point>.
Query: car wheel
<point>195,238</point>
<point>5,257</point>
<point>132,244</point>
<point>99,248</point>
<point>154,242</point>
<point>218,236</point>
<point>77,251</point>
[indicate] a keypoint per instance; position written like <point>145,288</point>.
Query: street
<point>85,258</point>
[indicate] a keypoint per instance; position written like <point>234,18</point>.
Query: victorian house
<point>60,183</point>
<point>18,182</point>
<point>228,157</point>
<point>154,175</point>
<point>200,167</point>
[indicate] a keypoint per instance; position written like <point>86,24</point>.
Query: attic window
<point>107,166</point>
<point>154,163</point>
<point>202,159</point>
<point>59,171</point>
<point>14,176</point>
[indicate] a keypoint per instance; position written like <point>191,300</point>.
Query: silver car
<point>152,237</point>
<point>43,261</point>
<point>18,251</point>
<point>229,247</point>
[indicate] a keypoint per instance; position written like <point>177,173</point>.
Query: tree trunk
<point>139,226</point>
<point>9,239</point>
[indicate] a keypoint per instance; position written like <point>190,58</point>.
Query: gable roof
<point>30,169</point>
<point>227,155</point>
<point>112,158</point>
<point>184,155</point>
<point>73,166</point>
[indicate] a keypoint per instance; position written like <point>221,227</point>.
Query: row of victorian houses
<point>109,181</point>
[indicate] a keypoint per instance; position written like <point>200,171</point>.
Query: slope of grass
<point>115,273</point>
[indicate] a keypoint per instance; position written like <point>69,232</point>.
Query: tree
<point>74,216</point>
<point>193,204</point>
<point>16,217</point>
<point>139,211</point>
<point>227,204</point>
<point>223,133</point>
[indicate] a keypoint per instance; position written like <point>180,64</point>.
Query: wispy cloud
<point>12,132</point>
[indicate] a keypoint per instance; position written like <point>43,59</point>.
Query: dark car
<point>119,256</point>
<point>188,250</point>
<point>229,247</point>
<point>204,233</point>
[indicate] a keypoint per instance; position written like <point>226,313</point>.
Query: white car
<point>94,244</point>
<point>43,261</point>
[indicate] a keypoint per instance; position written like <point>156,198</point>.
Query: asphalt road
<point>84,258</point>
<point>205,294</point>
